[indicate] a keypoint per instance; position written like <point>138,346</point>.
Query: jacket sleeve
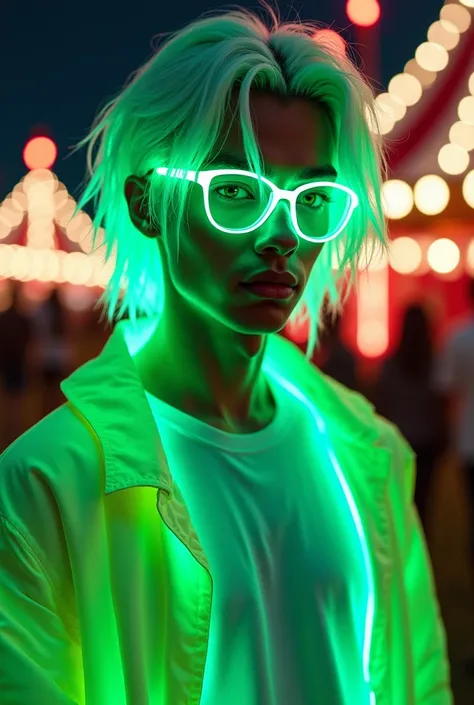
<point>37,659</point>
<point>431,663</point>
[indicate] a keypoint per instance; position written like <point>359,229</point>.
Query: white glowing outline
<point>203,178</point>
<point>370,611</point>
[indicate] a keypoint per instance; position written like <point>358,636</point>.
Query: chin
<point>268,319</point>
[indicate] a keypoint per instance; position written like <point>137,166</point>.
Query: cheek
<point>202,258</point>
<point>220,249</point>
<point>309,256</point>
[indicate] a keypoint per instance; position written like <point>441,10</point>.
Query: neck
<point>207,371</point>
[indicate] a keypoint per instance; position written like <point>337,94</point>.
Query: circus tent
<point>428,120</point>
<point>427,117</point>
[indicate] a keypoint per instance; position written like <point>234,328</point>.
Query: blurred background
<point>406,338</point>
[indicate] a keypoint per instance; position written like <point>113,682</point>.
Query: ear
<point>135,195</point>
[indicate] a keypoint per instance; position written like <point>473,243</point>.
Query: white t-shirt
<point>290,587</point>
<point>455,374</point>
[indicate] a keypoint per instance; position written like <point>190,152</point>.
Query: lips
<point>269,290</point>
<point>271,277</point>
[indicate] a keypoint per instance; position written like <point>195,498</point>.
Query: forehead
<point>293,132</point>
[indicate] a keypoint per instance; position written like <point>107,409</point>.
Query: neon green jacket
<point>105,592</point>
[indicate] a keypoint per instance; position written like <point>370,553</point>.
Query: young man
<point>208,519</point>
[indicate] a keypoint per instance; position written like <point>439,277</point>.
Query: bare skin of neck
<point>211,374</point>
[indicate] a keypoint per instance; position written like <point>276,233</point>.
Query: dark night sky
<point>59,61</point>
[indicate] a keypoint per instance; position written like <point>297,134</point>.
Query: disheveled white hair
<point>171,113</point>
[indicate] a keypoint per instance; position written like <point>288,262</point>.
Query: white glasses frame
<point>204,178</point>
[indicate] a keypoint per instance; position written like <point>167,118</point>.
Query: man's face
<point>211,266</point>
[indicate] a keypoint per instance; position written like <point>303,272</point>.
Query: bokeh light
<point>40,153</point>
<point>10,216</point>
<point>426,78</point>
<point>468,188</point>
<point>19,199</point>
<point>462,134</point>
<point>457,14</point>
<point>39,176</point>
<point>443,256</point>
<point>431,194</point>
<point>445,33</point>
<point>372,338</point>
<point>43,202</point>
<point>432,57</point>
<point>397,198</point>
<point>364,13</point>
<point>406,88</point>
<point>466,109</point>
<point>453,159</point>
<point>392,106</point>
<point>405,255</point>
<point>49,265</point>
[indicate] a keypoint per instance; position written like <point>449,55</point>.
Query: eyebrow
<point>234,161</point>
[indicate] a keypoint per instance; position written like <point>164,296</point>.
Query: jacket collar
<point>107,393</point>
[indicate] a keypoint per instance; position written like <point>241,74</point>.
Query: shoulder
<point>59,435</point>
<point>53,465</point>
<point>402,458</point>
<point>384,433</point>
<point>351,401</point>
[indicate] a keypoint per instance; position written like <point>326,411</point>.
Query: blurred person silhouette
<point>405,394</point>
<point>338,362</point>
<point>52,351</point>
<point>454,378</point>
<point>15,337</point>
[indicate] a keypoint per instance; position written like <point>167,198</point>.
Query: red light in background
<point>364,13</point>
<point>40,153</point>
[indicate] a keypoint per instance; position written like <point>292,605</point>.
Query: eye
<point>233,192</point>
<point>314,199</point>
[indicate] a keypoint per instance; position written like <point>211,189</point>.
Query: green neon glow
<point>182,124</point>
<point>204,178</point>
<point>370,609</point>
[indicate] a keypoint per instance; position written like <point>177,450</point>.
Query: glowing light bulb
<point>443,256</point>
<point>406,88</point>
<point>397,198</point>
<point>466,109</point>
<point>364,13</point>
<point>457,15</point>
<point>40,153</point>
<point>468,188</point>
<point>431,194</point>
<point>405,255</point>
<point>453,159</point>
<point>432,57</point>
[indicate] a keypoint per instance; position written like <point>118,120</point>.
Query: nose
<point>278,233</point>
